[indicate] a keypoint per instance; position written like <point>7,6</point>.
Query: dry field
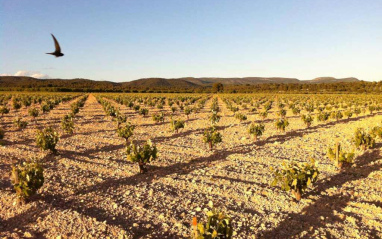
<point>92,191</point>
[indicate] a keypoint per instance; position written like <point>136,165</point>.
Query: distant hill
<point>206,81</point>
<point>243,81</point>
<point>332,80</point>
<point>162,83</point>
<point>30,82</point>
<point>159,82</point>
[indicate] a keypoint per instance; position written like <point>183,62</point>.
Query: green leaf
<point>201,228</point>
<point>274,183</point>
<point>294,182</point>
<point>210,213</point>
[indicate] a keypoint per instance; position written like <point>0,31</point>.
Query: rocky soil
<point>92,191</point>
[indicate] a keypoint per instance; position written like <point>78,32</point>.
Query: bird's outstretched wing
<point>58,48</point>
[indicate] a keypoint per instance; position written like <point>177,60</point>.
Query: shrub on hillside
<point>176,125</point>
<point>27,179</point>
<point>126,131</point>
<point>141,154</point>
<point>340,157</point>
<point>363,140</point>
<point>218,225</point>
<point>241,117</point>
<point>256,130</point>
<point>159,117</point>
<point>307,119</point>
<point>212,137</point>
<point>281,124</point>
<point>295,177</point>
<point>47,139</point>
<point>67,124</point>
<point>19,123</point>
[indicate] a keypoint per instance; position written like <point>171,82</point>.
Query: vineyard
<point>136,165</point>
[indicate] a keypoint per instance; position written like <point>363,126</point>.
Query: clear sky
<point>127,40</point>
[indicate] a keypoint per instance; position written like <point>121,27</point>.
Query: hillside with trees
<point>193,85</point>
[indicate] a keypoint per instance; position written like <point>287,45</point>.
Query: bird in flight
<point>57,52</point>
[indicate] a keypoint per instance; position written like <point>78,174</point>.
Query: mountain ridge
<point>209,81</point>
<point>157,82</point>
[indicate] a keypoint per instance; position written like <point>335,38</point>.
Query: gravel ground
<point>91,191</point>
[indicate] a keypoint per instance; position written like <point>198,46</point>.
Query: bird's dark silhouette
<point>57,52</point>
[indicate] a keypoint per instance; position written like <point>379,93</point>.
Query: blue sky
<point>127,40</point>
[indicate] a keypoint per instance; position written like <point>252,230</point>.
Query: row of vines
<point>175,110</point>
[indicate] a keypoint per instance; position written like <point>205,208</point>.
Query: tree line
<point>91,86</point>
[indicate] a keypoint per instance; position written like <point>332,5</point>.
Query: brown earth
<point>91,191</point>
